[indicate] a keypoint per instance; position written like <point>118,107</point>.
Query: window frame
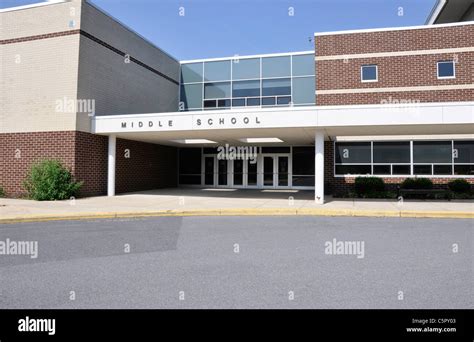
<point>446,77</point>
<point>411,164</point>
<point>362,73</point>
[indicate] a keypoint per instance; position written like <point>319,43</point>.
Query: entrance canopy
<point>291,125</point>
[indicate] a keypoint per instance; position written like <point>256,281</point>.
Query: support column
<point>319,167</point>
<point>111,166</point>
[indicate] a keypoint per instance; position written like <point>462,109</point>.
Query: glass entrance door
<point>209,170</point>
<point>282,172</point>
<point>276,172</point>
<point>268,171</point>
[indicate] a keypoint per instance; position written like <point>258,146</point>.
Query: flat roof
<point>398,28</point>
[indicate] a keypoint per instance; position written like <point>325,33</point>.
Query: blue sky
<point>219,28</point>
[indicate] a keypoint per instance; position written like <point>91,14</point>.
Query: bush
<point>460,186</point>
<point>49,180</point>
<point>365,186</point>
<point>417,183</point>
<point>2,192</point>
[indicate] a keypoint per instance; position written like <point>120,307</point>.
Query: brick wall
<point>150,166</point>
<point>414,70</point>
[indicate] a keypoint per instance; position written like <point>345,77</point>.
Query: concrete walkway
<point>184,202</point>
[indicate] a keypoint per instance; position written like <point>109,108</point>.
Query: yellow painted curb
<point>241,212</point>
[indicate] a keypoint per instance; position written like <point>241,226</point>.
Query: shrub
<point>460,186</point>
<point>49,180</point>
<point>417,183</point>
<point>365,186</point>
<point>2,192</point>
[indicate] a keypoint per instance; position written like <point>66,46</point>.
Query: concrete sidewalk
<point>187,202</point>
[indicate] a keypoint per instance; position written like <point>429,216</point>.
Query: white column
<point>111,166</point>
<point>319,167</point>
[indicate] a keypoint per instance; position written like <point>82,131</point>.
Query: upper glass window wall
<point>245,69</point>
<point>260,81</point>
<point>191,73</point>
<point>276,66</point>
<point>217,71</point>
<point>303,65</point>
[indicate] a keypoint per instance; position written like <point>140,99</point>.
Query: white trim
<point>446,77</point>
<point>362,73</point>
<point>38,4</point>
<point>248,57</point>
<point>435,12</point>
<point>395,89</point>
<point>401,28</point>
<point>254,110</point>
<point>394,54</point>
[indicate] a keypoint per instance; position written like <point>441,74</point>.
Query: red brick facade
<point>150,166</point>
<point>414,70</point>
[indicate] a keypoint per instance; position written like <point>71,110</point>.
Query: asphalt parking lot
<point>240,262</point>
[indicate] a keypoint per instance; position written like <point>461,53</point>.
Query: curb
<point>241,212</point>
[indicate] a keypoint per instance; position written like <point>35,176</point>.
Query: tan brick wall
<point>35,76</point>
<point>46,61</point>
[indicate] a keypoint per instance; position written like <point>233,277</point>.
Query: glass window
<point>303,90</point>
<point>190,161</point>
<point>238,102</point>
<point>464,152</point>
<point>276,149</point>
<point>464,169</point>
<point>401,170</point>
<point>276,66</point>
<point>354,152</point>
<point>191,72</point>
<point>442,169</point>
<point>223,103</point>
<point>422,169</point>
<point>369,73</point>
<point>246,88</point>
<point>276,87</point>
<point>391,152</point>
<point>382,170</point>
<point>191,95</point>
<point>268,101</point>
<point>303,160</point>
<point>217,71</point>
<point>303,65</point>
<point>216,90</point>
<point>245,68</point>
<point>353,169</point>
<point>446,69</point>
<point>432,152</point>
<point>210,104</point>
<point>254,101</point>
<point>283,100</point>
